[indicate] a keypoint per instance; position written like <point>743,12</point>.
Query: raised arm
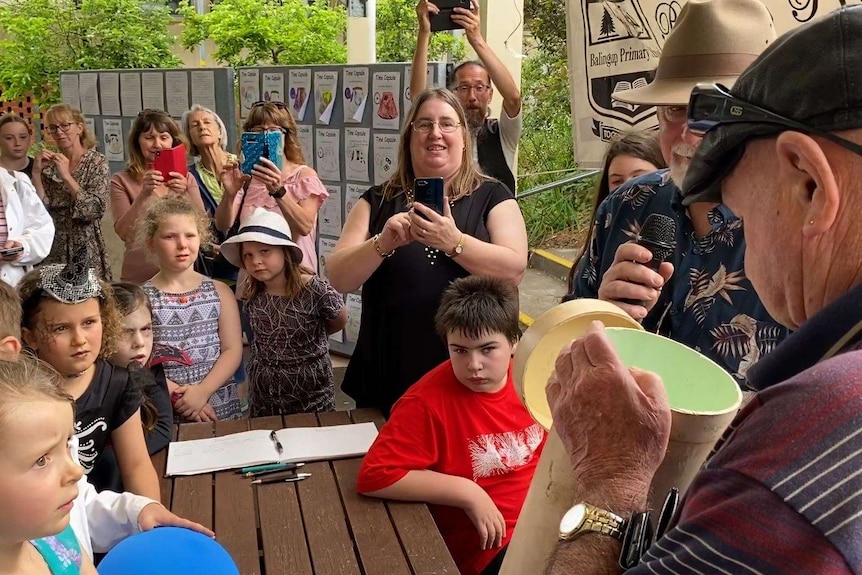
<point>500,76</point>
<point>418,71</point>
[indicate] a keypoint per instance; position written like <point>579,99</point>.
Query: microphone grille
<point>659,234</point>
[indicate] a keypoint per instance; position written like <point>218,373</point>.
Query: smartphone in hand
<point>429,192</point>
<point>443,19</point>
<point>171,160</point>
<point>8,252</point>
<point>257,145</point>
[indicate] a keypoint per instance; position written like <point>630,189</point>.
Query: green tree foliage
<point>546,23</point>
<point>396,35</point>
<point>39,38</point>
<point>286,32</point>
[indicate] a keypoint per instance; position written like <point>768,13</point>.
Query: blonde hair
<point>172,206</point>
<point>29,379</point>
<point>10,312</point>
<point>269,113</point>
<point>32,295</point>
<point>88,139</point>
<point>293,273</point>
<point>468,177</point>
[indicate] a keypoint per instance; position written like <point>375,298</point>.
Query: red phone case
<point>172,160</point>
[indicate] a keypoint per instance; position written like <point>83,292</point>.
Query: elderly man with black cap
<point>782,492</point>
<point>700,296</point>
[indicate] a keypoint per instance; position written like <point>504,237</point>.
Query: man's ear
<point>10,347</point>
<point>805,169</point>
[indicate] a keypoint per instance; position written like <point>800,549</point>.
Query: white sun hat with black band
<point>263,227</point>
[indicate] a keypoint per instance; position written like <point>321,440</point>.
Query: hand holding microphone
<point>634,280</point>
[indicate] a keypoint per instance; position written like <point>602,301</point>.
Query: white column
<point>500,20</point>
<point>361,47</point>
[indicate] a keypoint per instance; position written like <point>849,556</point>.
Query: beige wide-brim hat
<point>713,41</point>
<point>264,227</point>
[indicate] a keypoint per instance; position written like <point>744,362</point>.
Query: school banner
<point>615,44</point>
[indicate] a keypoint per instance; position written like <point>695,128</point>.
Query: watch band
<point>279,192</point>
<point>585,518</point>
<point>458,248</point>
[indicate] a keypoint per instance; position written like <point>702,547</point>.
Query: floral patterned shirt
<point>61,552</point>
<point>708,304</point>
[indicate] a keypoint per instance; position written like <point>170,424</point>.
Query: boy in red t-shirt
<point>460,439</point>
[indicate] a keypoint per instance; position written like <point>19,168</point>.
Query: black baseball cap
<point>809,80</point>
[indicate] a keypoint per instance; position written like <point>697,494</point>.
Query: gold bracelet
<point>375,241</point>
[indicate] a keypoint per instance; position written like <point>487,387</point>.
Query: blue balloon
<point>168,551</point>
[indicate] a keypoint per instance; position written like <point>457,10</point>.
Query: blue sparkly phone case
<point>256,145</point>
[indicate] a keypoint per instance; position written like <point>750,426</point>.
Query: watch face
<point>573,518</point>
<point>459,248</point>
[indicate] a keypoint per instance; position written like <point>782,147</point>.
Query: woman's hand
<point>268,173</point>
<point>424,11</point>
<point>153,183</point>
<point>434,230</point>
<point>396,233</point>
<point>232,179</point>
<point>41,158</point>
<point>178,183</point>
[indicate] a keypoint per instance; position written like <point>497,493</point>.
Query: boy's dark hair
<point>478,306</point>
<point>10,312</point>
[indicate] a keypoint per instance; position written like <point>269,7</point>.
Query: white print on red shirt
<point>499,453</point>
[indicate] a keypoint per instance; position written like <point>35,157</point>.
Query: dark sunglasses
<point>712,105</point>
<point>278,105</point>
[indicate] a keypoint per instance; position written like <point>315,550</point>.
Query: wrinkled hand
<point>487,519</point>
<point>614,421</point>
<point>178,183</point>
<point>629,279</point>
<point>10,245</point>
<point>155,515</point>
<point>396,232</point>
<point>268,173</point>
<point>192,399</point>
<point>154,184</point>
<point>434,230</point>
<point>424,11</point>
<point>469,20</point>
<point>232,179</point>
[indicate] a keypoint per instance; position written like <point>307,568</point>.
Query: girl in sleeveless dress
<point>292,312</point>
<point>192,312</point>
<point>38,478</point>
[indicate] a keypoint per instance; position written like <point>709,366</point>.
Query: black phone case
<point>429,192</point>
<point>443,20</point>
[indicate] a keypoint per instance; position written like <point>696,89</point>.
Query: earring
<point>810,222</point>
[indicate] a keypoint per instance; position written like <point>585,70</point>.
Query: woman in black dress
<point>404,255</point>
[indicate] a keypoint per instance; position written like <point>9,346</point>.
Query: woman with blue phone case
<point>404,253</point>
<point>291,188</point>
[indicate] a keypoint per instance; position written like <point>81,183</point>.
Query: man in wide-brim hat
<point>700,296</point>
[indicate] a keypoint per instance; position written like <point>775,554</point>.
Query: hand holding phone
<point>10,252</point>
<point>257,145</point>
<point>443,19</point>
<point>429,192</point>
<point>171,160</point>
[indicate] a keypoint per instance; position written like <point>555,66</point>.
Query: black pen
<point>297,477</point>
<point>285,467</point>
<point>278,446</point>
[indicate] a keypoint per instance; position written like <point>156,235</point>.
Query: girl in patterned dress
<point>292,312</point>
<point>192,312</point>
<point>38,478</point>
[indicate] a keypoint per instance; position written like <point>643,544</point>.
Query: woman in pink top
<point>295,191</point>
<point>133,189</point>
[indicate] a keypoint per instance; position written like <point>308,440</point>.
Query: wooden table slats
<point>319,526</point>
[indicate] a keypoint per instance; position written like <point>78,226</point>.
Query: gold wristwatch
<point>586,518</point>
<point>458,248</point>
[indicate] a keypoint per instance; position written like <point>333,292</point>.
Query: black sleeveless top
<point>397,343</point>
<point>489,149</point>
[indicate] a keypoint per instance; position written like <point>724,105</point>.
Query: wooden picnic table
<point>317,526</point>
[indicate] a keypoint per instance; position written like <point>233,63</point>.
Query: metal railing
<point>557,184</point>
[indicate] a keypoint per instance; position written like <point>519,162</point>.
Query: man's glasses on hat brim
<point>712,105</point>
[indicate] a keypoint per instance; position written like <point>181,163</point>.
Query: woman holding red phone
<point>133,189</point>
<point>73,183</point>
<point>294,190</point>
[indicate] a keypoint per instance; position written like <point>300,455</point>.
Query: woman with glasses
<point>135,188</point>
<point>404,254</point>
<point>294,190</point>
<point>74,186</point>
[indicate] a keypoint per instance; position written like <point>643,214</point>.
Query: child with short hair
<point>192,312</point>
<point>70,321</point>
<point>292,311</point>
<point>460,439</point>
<point>38,478</point>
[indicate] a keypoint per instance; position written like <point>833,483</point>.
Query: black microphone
<point>658,235</point>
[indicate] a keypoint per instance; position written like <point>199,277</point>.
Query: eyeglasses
<point>465,89</point>
<point>278,105</point>
<point>712,105</point>
<point>425,126</point>
<point>673,114</point>
<point>61,127</point>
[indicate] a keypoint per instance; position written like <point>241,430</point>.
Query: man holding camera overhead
<point>494,141</point>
